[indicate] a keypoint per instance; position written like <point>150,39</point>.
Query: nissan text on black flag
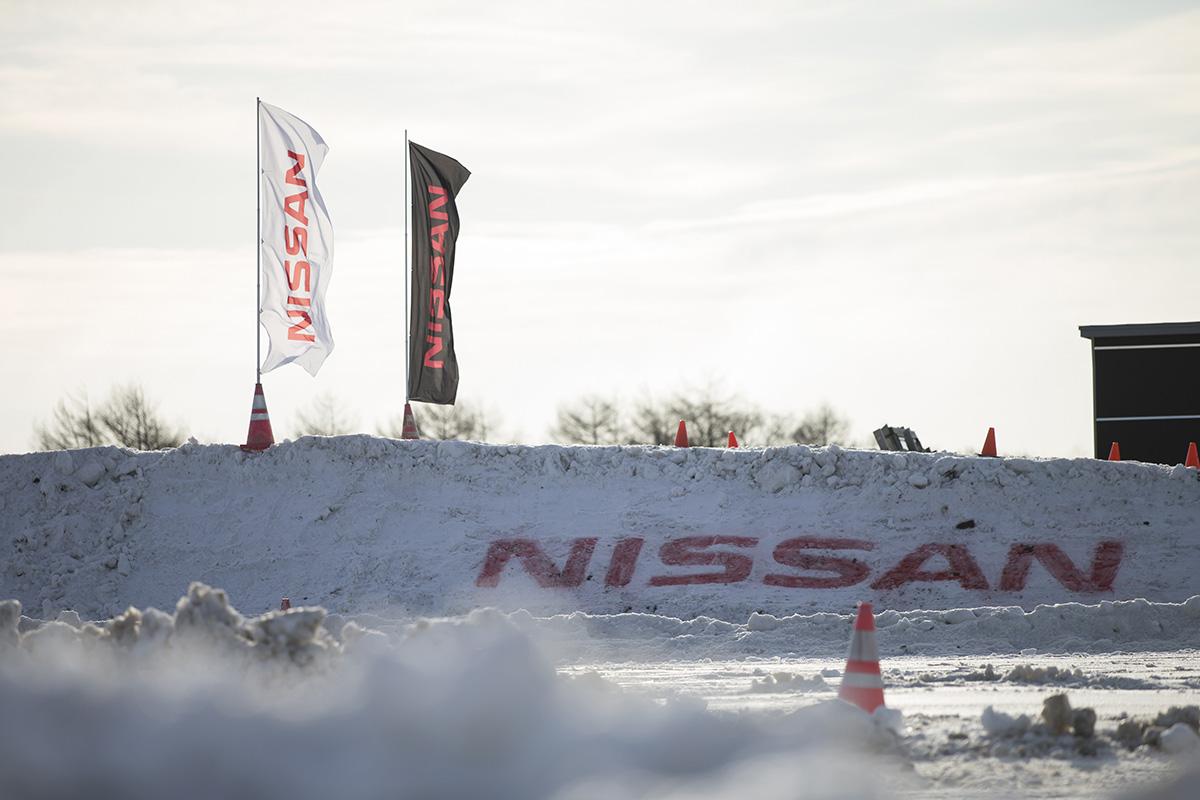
<point>436,181</point>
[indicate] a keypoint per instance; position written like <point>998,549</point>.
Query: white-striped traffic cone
<point>409,430</point>
<point>259,437</point>
<point>862,683</point>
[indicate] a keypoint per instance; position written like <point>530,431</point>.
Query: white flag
<point>297,242</point>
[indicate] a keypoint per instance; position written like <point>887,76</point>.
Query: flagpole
<point>258,240</point>
<point>407,299</point>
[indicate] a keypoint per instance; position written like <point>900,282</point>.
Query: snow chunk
<point>1179,739</point>
<point>1181,473</point>
<point>775,476</point>
<point>762,622</point>
<point>296,633</point>
<point>63,463</point>
<point>52,638</point>
<point>997,723</point>
<point>788,682</point>
<point>359,640</point>
<point>1025,673</point>
<point>954,616</point>
<point>890,719</point>
<point>90,473</point>
<point>71,618</point>
<point>155,629</point>
<point>205,611</point>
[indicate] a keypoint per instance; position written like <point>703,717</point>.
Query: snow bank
<point>360,523</point>
<point>1065,628</point>
<point>207,703</point>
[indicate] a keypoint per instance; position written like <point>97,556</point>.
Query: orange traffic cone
<point>989,444</point>
<point>409,430</point>
<point>681,435</point>
<point>862,683</point>
<point>733,442</point>
<point>285,604</point>
<point>1114,452</point>
<point>1193,460</point>
<point>259,437</point>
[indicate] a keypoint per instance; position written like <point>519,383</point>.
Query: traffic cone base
<point>1114,452</point>
<point>733,442</point>
<point>681,439</point>
<point>862,683</point>
<point>409,430</point>
<point>1193,460</point>
<point>259,437</point>
<point>989,444</point>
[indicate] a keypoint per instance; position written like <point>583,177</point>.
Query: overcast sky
<point>902,209</point>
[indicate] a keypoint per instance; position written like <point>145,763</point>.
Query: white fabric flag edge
<point>297,242</point>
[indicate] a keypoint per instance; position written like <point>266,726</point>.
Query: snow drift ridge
<point>360,523</point>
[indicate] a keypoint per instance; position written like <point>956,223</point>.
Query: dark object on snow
<point>889,438</point>
<point>1189,715</point>
<point>1056,713</point>
<point>1084,722</point>
<point>1152,736</point>
<point>1130,733</point>
<point>1145,389</point>
<point>966,524</point>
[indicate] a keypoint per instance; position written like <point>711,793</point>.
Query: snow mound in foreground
<point>204,626</point>
<point>207,703</point>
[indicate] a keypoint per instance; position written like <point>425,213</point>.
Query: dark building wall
<point>1146,389</point>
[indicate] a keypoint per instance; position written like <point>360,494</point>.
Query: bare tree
<point>588,420</point>
<point>127,418</point>
<point>133,421</point>
<point>72,426</point>
<point>710,416</point>
<point>324,416</point>
<point>462,421</point>
<point>821,426</point>
<point>650,423</point>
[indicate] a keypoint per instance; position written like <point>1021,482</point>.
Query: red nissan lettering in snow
<point>814,562</point>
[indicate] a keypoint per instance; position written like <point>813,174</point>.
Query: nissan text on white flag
<point>297,242</point>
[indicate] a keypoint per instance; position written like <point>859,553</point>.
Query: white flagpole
<point>407,299</point>
<point>258,239</point>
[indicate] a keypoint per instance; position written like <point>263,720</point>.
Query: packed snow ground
<point>359,523</point>
<point>207,703</point>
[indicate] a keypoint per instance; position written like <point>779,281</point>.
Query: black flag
<point>436,181</point>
